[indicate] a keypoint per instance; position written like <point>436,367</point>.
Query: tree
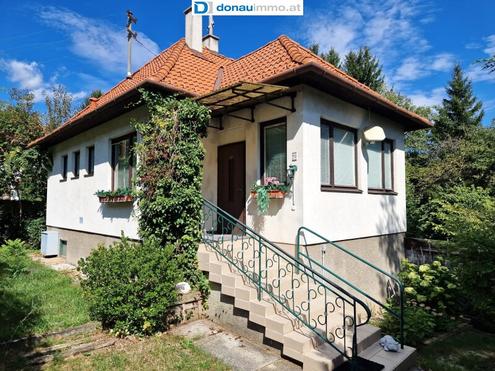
<point>332,56</point>
<point>94,94</point>
<point>22,170</point>
<point>489,64</point>
<point>460,111</point>
<point>365,68</point>
<point>58,107</point>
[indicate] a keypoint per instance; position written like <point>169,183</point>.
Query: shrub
<point>13,258</point>
<point>33,228</point>
<point>130,286</point>
<point>433,287</point>
<point>419,324</point>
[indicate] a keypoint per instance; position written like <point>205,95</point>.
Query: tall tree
<point>489,64</point>
<point>94,94</point>
<point>58,107</point>
<point>460,111</point>
<point>332,56</point>
<point>365,68</point>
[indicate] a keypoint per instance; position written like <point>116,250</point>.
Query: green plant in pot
<point>271,188</point>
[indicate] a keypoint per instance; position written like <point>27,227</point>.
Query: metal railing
<point>400,288</point>
<point>326,309</point>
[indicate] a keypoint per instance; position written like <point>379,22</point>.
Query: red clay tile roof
<point>193,73</point>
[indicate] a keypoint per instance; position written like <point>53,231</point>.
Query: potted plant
<point>271,188</point>
<point>118,196</point>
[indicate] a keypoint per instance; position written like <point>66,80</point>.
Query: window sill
<point>74,177</point>
<point>63,180</point>
<point>381,192</point>
<point>327,188</point>
<point>88,175</point>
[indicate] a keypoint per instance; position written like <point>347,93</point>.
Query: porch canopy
<point>244,95</point>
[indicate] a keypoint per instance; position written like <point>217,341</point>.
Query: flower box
<point>116,199</point>
<point>272,194</point>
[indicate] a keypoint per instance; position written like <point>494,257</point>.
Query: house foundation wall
<point>80,244</point>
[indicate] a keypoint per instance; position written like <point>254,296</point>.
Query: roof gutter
<point>69,124</point>
<point>371,95</point>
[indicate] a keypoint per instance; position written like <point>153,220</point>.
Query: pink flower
<point>272,180</point>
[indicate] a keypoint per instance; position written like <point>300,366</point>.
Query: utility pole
<point>130,35</point>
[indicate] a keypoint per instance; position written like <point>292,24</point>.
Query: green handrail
<point>224,224</point>
<point>399,316</point>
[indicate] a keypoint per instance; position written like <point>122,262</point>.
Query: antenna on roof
<point>211,24</point>
<point>130,35</point>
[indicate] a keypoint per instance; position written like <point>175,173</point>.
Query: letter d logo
<point>200,7</point>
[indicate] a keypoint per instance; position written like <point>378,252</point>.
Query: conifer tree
<point>460,111</point>
<point>332,56</point>
<point>365,68</point>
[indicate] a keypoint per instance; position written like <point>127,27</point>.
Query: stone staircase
<point>292,299</point>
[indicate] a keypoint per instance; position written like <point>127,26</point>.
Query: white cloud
<point>416,67</point>
<point>442,62</point>
<point>28,75</point>
<point>431,98</point>
<point>475,71</point>
<point>98,41</point>
<point>490,45</point>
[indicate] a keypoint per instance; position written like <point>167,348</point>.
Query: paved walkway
<point>234,350</point>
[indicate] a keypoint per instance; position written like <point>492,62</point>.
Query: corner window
<point>338,156</point>
<point>274,150</point>
<point>75,171</point>
<point>380,166</point>
<point>64,167</point>
<point>123,162</point>
<point>90,169</point>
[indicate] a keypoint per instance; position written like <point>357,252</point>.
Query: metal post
<point>130,35</point>
<point>401,290</point>
<point>259,268</point>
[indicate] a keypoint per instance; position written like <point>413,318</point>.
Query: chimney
<point>210,41</point>
<point>194,30</point>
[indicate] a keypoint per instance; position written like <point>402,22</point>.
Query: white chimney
<point>194,30</point>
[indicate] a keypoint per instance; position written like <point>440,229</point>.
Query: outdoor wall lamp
<point>374,134</point>
<point>291,171</point>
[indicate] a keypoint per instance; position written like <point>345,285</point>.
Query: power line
<point>145,47</point>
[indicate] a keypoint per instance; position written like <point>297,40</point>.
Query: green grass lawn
<point>37,301</point>
<point>165,352</point>
<point>471,350</point>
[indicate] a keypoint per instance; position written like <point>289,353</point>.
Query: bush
<point>33,228</point>
<point>131,286</point>
<point>419,324</point>
<point>433,287</point>
<point>13,258</point>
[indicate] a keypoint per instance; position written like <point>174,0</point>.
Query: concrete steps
<point>298,342</point>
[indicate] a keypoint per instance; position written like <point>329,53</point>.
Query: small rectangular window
<point>275,151</point>
<point>380,166</point>
<point>77,157</point>
<point>123,162</point>
<point>338,156</point>
<point>64,167</point>
<point>91,161</point>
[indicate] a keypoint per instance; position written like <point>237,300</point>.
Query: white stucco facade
<point>72,204</point>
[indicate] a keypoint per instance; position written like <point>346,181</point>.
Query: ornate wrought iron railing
<point>398,287</point>
<point>331,313</point>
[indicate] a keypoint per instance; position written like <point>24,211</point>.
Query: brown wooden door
<point>231,192</point>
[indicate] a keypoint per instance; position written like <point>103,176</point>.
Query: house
<point>279,105</point>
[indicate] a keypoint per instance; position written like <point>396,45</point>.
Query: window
<point>380,166</point>
<point>338,157</point>
<point>77,157</point>
<point>123,161</point>
<point>274,149</point>
<point>90,169</point>
<point>64,167</point>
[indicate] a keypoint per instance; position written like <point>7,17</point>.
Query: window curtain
<point>121,155</point>
<point>276,152</point>
<point>344,157</point>
<point>387,159</point>
<point>374,165</point>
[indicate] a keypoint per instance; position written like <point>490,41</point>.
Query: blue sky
<point>82,45</point>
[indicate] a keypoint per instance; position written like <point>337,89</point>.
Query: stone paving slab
<point>234,350</point>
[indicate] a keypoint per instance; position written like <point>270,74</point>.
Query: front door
<point>231,192</point>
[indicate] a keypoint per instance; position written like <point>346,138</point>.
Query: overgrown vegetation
<point>170,174</point>
<point>130,286</point>
<point>33,298</point>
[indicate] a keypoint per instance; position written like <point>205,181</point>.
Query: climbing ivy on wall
<point>170,172</point>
